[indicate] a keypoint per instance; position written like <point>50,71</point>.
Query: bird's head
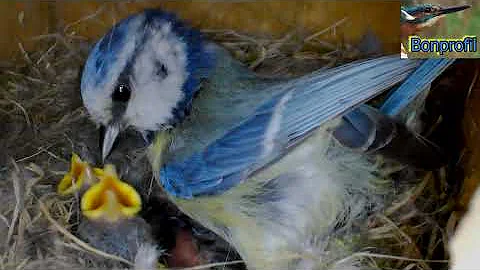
<point>426,14</point>
<point>143,74</point>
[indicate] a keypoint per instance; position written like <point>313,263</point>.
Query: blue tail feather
<point>378,131</point>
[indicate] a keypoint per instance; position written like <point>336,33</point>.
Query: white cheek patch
<point>97,106</point>
<point>154,97</point>
<point>98,101</point>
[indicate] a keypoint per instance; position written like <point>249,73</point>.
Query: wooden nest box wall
<point>21,21</point>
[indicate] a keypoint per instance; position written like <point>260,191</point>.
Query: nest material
<point>44,122</point>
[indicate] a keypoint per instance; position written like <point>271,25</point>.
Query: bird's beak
<point>448,10</point>
<point>109,137</point>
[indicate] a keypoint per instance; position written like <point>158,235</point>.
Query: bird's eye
<point>429,10</point>
<point>121,93</point>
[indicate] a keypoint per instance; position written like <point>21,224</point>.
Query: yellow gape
<point>110,199</point>
<point>80,175</point>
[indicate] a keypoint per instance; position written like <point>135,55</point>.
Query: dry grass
<point>44,122</point>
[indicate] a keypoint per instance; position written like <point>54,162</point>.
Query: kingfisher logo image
<point>433,30</point>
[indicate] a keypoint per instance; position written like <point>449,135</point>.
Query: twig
<point>472,84</point>
<point>27,118</point>
<point>41,150</point>
<point>86,18</point>
<point>18,203</point>
<point>384,256</point>
<point>333,26</point>
<point>205,266</point>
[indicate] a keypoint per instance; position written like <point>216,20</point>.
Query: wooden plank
<point>262,17</point>
<point>19,21</point>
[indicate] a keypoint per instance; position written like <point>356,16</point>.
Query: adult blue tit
<point>251,158</point>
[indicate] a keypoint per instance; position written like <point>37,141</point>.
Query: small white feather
<point>465,245</point>
<point>147,257</point>
<point>403,52</point>
<point>274,125</point>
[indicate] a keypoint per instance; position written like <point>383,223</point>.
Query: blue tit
<point>251,158</point>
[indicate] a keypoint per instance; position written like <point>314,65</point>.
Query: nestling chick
<point>110,199</point>
<point>78,179</point>
<point>111,225</point>
<point>123,238</point>
<point>110,207</point>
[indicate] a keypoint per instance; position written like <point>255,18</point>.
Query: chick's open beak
<point>110,199</point>
<point>80,175</point>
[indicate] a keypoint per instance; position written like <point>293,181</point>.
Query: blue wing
<point>370,130</point>
<point>415,85</point>
<point>284,120</point>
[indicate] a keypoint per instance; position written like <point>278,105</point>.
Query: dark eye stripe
<point>161,70</point>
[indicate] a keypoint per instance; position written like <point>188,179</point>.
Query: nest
<point>44,122</point>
